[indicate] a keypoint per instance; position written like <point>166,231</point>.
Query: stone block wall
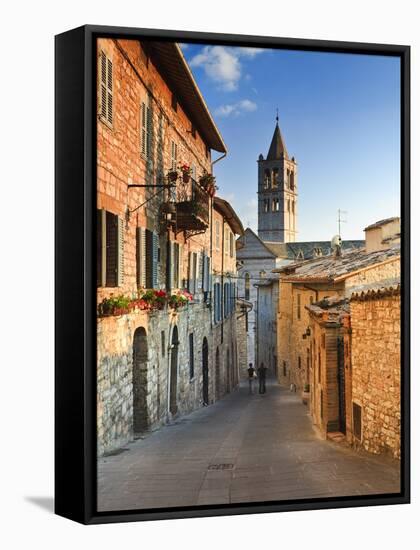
<point>293,349</point>
<point>131,392</point>
<point>376,368</point>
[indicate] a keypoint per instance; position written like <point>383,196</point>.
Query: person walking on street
<point>262,369</point>
<point>251,372</point>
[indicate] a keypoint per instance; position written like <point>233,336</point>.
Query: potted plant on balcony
<point>208,182</point>
<point>306,393</point>
<point>172,175</point>
<point>186,172</point>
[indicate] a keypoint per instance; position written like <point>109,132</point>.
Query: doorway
<point>141,420</point>
<point>205,358</point>
<point>173,386</point>
<point>341,385</point>
<point>217,374</point>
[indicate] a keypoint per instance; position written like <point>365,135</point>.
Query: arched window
<point>292,180</point>
<point>247,285</point>
<point>275,180</point>
<point>293,207</point>
<point>266,179</point>
<point>288,205</point>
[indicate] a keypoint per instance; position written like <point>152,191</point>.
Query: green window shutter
<point>155,259</point>
<point>152,243</point>
<point>141,257</point>
<point>190,272</point>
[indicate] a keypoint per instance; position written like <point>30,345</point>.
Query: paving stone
<point>269,440</point>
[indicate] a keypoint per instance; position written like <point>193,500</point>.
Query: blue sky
<point>339,116</point>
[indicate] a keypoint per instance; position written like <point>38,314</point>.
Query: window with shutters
<point>298,310</point>
<point>206,277</point>
<point>141,257</point>
<point>193,267</point>
<point>152,245</point>
<point>174,265</point>
<point>191,339</point>
<point>217,302</point>
<point>193,132</point>
<point>146,129</point>
<point>106,83</point>
<point>174,103</point>
<point>174,155</point>
<point>110,249</point>
<point>217,234</point>
<point>226,241</point>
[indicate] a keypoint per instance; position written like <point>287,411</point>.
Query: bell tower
<point>277,192</point>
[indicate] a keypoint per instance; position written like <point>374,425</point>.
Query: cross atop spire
<point>277,115</point>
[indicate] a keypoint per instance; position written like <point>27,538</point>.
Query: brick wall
<point>134,366</point>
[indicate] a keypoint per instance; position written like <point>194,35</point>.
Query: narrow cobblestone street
<point>243,448</point>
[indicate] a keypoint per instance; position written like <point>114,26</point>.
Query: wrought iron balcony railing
<point>192,206</point>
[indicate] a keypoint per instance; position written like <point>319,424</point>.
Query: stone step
<point>337,437</point>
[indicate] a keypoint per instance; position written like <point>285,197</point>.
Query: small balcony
<point>192,207</point>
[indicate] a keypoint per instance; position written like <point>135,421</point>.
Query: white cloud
<point>235,109</point>
<point>183,46</point>
<point>222,64</point>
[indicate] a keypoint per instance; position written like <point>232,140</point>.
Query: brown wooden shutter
<point>120,273</point>
<point>103,96</point>
<point>109,95</point>
<point>148,131</point>
<point>100,247</point>
<point>111,249</point>
<point>143,131</point>
<point>141,257</point>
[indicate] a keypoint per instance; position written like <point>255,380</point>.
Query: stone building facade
<point>159,236</point>
<point>355,368</point>
<point>304,283</point>
<point>329,372</point>
<point>376,369</point>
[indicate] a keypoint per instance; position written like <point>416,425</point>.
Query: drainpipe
<point>217,160</point>
<point>222,289</point>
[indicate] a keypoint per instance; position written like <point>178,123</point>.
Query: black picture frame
<point>75,289</point>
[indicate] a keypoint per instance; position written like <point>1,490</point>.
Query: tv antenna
<point>341,219</point>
